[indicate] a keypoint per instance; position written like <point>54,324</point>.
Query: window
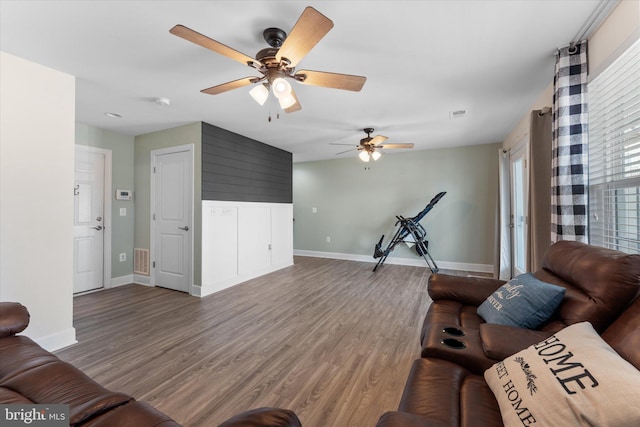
<point>614,154</point>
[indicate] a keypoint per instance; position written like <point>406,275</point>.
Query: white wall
<point>610,39</point>
<point>37,125</point>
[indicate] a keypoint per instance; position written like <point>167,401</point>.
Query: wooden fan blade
<point>342,152</point>
<point>214,90</point>
<point>385,146</point>
<point>295,107</point>
<point>311,27</point>
<point>377,140</point>
<point>332,80</point>
<point>204,41</point>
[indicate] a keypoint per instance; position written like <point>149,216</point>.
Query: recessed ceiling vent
<point>457,114</point>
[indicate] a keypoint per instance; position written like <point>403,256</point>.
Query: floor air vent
<point>141,261</point>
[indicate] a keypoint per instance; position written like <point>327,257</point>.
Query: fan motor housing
<point>274,36</point>
<point>268,57</point>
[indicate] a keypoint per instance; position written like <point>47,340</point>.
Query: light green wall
<point>187,134</point>
<point>121,147</point>
<point>355,206</point>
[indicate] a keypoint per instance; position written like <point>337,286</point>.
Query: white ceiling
<point>422,60</point>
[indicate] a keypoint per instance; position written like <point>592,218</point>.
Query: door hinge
<point>153,264</point>
<point>154,217</point>
<point>154,169</point>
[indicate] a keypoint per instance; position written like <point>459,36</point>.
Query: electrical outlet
<point>314,210</point>
<point>123,257</point>
<point>328,239</point>
<point>123,211</point>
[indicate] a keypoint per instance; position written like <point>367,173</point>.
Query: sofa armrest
<point>14,318</point>
<point>467,290</point>
<point>266,417</point>
<point>501,341</point>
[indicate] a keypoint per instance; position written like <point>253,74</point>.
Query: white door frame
<point>106,279</point>
<point>152,256</point>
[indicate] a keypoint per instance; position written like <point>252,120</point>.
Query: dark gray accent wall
<point>241,169</point>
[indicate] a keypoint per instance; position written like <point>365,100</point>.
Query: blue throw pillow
<point>524,301</point>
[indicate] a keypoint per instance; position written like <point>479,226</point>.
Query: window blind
<point>614,154</point>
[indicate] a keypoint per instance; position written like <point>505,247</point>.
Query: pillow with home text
<point>524,302</point>
<point>573,378</point>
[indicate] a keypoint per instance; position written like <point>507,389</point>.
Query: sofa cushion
<point>524,302</point>
<point>8,396</point>
<point>404,419</point>
<point>133,414</point>
<point>624,334</point>
<point>571,378</point>
<point>449,394</point>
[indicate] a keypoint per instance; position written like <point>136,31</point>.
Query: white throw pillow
<point>573,378</point>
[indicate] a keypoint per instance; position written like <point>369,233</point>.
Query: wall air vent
<point>141,261</point>
<point>457,114</point>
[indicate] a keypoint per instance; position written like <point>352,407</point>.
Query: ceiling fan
<point>369,146</point>
<point>277,63</point>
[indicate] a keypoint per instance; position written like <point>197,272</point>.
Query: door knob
<point>185,228</point>
<point>97,228</point>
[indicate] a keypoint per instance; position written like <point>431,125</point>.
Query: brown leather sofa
<point>446,386</point>
<point>31,375</point>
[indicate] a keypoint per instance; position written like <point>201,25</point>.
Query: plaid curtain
<point>569,144</point>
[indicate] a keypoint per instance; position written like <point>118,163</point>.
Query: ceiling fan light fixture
<point>260,94</point>
<point>286,101</point>
<point>376,155</point>
<point>364,156</point>
<point>281,88</point>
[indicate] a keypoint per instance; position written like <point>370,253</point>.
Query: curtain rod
<point>600,13</point>
<point>544,111</point>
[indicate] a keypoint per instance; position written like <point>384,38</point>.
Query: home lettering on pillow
<point>566,371</point>
<point>513,396</point>
<point>571,378</point>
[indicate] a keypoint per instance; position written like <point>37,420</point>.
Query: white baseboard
<point>141,280</point>
<point>58,340</point>
<point>414,262</point>
<point>122,280</point>
<point>208,289</point>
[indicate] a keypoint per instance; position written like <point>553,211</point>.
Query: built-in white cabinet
<point>241,241</point>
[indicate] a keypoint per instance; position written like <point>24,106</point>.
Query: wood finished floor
<point>325,338</point>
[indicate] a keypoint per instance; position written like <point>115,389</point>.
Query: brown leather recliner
<point>31,375</point>
<point>599,283</point>
<point>440,393</point>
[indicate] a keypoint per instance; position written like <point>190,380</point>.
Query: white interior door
<point>519,197</point>
<point>88,231</point>
<point>172,217</point>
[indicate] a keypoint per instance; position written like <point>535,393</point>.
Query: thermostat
<point>124,194</point>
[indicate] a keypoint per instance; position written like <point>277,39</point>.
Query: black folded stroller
<point>410,231</point>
